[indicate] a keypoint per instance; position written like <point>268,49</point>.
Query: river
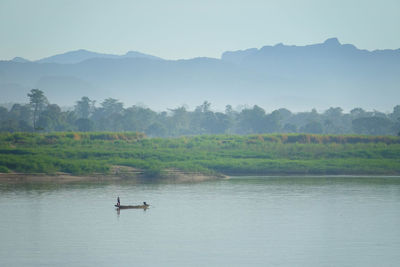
<point>242,221</point>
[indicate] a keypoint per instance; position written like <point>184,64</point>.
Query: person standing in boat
<point>118,202</point>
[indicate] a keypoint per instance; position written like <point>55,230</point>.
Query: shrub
<point>4,169</point>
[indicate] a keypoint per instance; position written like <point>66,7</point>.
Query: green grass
<point>87,153</point>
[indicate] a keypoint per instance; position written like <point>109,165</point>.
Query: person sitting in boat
<point>145,204</point>
<point>118,202</point>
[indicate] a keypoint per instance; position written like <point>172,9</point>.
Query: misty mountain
<point>296,77</point>
<point>82,55</point>
<point>20,60</point>
<point>329,59</point>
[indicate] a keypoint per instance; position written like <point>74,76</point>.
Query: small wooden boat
<point>144,206</point>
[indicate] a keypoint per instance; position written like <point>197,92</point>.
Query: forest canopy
<point>39,115</point>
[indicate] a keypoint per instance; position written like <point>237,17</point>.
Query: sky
<point>174,29</point>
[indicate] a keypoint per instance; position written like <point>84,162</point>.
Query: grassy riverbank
<point>90,153</point>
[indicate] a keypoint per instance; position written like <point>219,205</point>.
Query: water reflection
<point>42,187</point>
<point>132,210</point>
<point>243,221</point>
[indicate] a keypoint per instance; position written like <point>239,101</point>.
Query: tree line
<point>39,115</point>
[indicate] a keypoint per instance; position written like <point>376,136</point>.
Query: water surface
<point>243,221</point>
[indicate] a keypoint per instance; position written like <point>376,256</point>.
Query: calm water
<point>245,221</point>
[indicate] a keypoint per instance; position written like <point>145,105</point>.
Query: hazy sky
<point>183,29</point>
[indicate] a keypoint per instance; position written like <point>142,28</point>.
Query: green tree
<point>312,127</point>
<point>205,107</point>
<point>396,113</point>
<point>52,119</point>
<point>272,122</point>
<point>358,113</point>
<point>21,112</point>
<point>137,118</point>
<point>17,119</point>
<point>289,128</point>
<point>333,121</point>
<point>179,122</point>
<point>215,123</point>
<point>111,105</point>
<point>84,125</point>
<point>252,120</point>
<point>84,107</point>
<point>38,101</point>
<point>109,115</point>
<point>3,113</point>
<point>156,129</point>
<point>373,126</point>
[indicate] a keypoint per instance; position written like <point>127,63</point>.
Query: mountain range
<point>77,56</point>
<point>297,77</point>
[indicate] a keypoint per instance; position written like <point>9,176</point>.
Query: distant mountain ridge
<point>297,77</point>
<point>20,60</point>
<point>328,49</point>
<point>77,56</point>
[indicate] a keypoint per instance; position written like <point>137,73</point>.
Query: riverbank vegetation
<point>80,153</point>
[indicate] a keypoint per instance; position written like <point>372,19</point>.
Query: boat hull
<point>132,207</point>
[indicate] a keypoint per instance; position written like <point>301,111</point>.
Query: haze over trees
<point>110,115</point>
